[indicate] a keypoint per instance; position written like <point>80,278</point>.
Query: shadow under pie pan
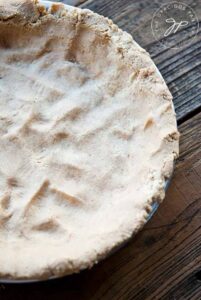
<point>155,205</point>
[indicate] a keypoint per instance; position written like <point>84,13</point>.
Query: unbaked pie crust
<point>88,137</point>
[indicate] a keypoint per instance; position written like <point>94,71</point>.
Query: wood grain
<point>161,262</point>
<point>181,68</point>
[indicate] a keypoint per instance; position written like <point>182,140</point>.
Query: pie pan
<point>172,136</point>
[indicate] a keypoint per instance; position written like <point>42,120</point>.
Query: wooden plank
<point>181,67</point>
<point>162,262</point>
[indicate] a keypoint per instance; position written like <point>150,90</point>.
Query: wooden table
<point>164,260</point>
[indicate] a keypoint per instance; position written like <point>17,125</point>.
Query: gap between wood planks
<point>190,115</point>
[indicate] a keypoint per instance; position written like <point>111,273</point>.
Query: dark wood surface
<point>164,260</point>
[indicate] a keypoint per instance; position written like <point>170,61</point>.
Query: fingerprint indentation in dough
<point>71,115</point>
<point>50,225</point>
<point>4,219</point>
<point>39,194</point>
<point>122,134</point>
<point>12,182</point>
<point>44,191</point>
<point>59,136</point>
<point>66,197</point>
<point>149,123</point>
<point>5,201</point>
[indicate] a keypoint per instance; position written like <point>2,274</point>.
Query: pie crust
<point>88,138</point>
